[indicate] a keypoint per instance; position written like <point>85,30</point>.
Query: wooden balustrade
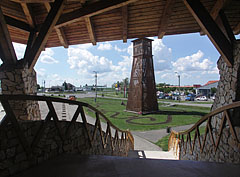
<point>183,139</point>
<point>120,136</point>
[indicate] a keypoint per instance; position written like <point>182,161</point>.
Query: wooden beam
<point>17,24</point>
<point>163,24</point>
<point>215,10</point>
<point>60,32</point>
<point>236,30</point>
<point>62,37</point>
<point>90,30</point>
<point>8,54</point>
<point>214,33</point>
<point>41,1</point>
<point>125,23</point>
<point>31,39</point>
<point>91,10</point>
<point>227,27</point>
<point>44,33</point>
<point>28,14</point>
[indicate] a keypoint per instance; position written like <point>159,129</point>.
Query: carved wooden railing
<point>176,139</point>
<point>119,138</point>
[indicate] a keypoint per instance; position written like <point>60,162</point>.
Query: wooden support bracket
<point>44,33</point>
<point>214,33</point>
<point>7,51</point>
<point>165,18</point>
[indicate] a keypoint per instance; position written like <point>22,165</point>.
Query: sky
<point>192,56</point>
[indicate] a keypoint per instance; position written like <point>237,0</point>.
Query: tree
<point>38,86</point>
<point>65,85</point>
<point>213,90</point>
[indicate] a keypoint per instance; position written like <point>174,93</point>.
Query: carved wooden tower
<point>142,90</point>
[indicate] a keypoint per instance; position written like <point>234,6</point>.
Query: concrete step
<point>152,154</point>
<point>73,165</point>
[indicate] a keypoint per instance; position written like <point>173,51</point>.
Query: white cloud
<point>47,57</point>
<point>162,55</point>
<point>105,46</point>
<point>86,62</point>
<point>41,72</point>
<point>119,50</point>
<point>19,49</point>
<point>193,63</point>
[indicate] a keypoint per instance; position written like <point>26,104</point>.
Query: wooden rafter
<point>42,1</point>
<point>236,30</point>
<point>90,30</point>
<point>91,10</point>
<point>62,37</point>
<point>28,14</point>
<point>215,10</point>
<point>31,38</point>
<point>125,23</point>
<point>60,32</point>
<point>7,51</point>
<point>17,23</point>
<point>45,31</point>
<point>165,18</point>
<point>227,27</point>
<point>214,33</point>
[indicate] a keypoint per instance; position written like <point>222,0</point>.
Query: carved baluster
<point>75,116</point>
<point>55,119</point>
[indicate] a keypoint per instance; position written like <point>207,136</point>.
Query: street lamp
<point>95,85</point>
<point>178,75</point>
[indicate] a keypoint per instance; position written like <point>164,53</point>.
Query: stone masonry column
<point>19,80</point>
<point>228,91</point>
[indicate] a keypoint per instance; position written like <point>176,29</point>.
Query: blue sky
<point>193,56</point>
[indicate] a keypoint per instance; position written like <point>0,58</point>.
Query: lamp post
<point>178,75</point>
<point>95,86</point>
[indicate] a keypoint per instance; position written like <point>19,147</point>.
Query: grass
<point>114,111</point>
<point>163,143</point>
<point>112,94</point>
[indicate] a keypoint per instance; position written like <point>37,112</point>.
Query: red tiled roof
<point>211,82</point>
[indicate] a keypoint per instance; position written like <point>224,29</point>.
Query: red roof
<point>211,82</point>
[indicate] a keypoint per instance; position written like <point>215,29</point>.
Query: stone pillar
<point>19,80</point>
<point>228,90</point>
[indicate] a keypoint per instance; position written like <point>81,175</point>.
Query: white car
<point>202,98</point>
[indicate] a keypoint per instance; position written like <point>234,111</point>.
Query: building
<point>206,89</point>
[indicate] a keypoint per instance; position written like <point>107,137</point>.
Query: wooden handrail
<point>49,100</point>
<point>176,139</point>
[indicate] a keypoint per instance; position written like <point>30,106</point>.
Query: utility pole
<point>95,85</point>
<point>178,75</point>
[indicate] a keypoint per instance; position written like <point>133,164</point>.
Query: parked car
<point>190,97</point>
<point>72,97</point>
<point>202,98</point>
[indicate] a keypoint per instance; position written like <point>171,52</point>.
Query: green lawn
<point>163,143</point>
<point>114,111</point>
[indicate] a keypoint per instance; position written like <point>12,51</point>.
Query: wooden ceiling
<point>92,21</point>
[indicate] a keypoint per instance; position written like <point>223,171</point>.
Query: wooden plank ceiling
<point>92,21</point>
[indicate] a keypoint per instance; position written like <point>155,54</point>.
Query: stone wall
<point>228,150</point>
<point>13,157</point>
<point>228,91</point>
<point>19,80</point>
